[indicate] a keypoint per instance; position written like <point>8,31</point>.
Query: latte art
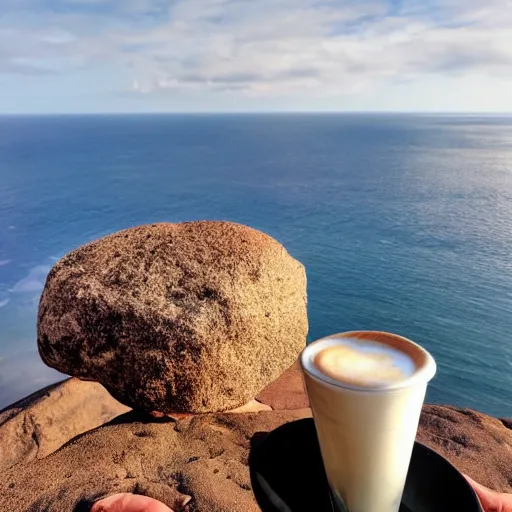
<point>364,363</point>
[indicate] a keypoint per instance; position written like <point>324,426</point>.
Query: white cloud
<point>269,48</point>
<point>323,49</point>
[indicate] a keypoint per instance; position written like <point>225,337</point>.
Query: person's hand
<point>491,501</point>
<point>127,502</point>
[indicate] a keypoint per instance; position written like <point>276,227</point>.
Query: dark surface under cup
<point>288,475</point>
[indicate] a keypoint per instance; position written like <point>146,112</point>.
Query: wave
<point>33,282</point>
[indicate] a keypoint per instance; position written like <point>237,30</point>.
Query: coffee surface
<point>364,363</point>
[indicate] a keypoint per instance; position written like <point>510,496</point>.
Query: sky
<point>106,56</point>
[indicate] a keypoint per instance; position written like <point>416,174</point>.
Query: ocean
<point>404,222</point>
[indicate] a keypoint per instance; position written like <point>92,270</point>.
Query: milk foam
<point>363,363</point>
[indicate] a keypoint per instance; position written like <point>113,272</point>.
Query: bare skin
<point>125,502</point>
<point>491,502</point>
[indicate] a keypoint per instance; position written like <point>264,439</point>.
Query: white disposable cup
<point>367,435</point>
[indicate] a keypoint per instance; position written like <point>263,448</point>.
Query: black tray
<point>287,475</point>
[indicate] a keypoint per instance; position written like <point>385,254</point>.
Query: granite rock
<point>41,423</point>
<point>288,392</point>
<point>477,444</point>
<point>204,457</point>
<point>200,462</point>
<point>192,317</point>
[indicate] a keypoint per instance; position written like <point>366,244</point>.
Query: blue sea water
<point>404,223</point>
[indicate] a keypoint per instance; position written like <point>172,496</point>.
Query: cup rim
<point>425,363</point>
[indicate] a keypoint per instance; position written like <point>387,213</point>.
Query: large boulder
<point>192,317</point>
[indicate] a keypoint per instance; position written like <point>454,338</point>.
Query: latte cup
<point>366,427</point>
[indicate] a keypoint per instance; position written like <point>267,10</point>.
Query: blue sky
<point>255,55</point>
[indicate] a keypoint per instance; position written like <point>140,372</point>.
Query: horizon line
<point>260,112</point>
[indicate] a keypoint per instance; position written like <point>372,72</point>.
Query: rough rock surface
<point>286,393</point>
<point>192,317</point>
<point>41,423</point>
<point>205,457</point>
<point>477,444</point>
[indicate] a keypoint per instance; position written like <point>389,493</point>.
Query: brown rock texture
<point>477,444</point>
<point>204,457</point>
<point>41,423</point>
<point>200,463</point>
<point>286,393</point>
<point>191,317</point>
